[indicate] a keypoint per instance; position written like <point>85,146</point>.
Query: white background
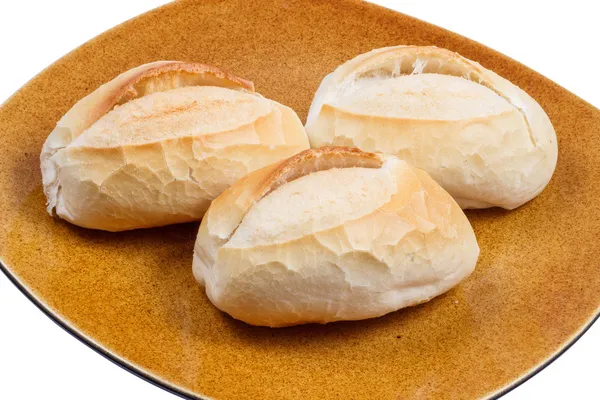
<point>40,360</point>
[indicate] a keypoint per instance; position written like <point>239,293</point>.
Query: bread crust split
<point>331,234</point>
<point>486,141</point>
<point>157,143</point>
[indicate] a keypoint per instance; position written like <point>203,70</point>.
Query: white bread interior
<point>156,144</point>
<point>331,234</point>
<point>486,141</point>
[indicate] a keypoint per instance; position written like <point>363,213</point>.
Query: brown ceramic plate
<point>132,297</point>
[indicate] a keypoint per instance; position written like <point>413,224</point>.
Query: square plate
<point>132,297</point>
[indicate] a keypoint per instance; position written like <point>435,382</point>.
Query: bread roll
<point>487,142</point>
<point>331,234</point>
<point>156,144</point>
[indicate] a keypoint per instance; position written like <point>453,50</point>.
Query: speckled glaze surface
<point>132,294</point>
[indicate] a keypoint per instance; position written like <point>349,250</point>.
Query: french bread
<point>331,234</point>
<point>157,143</point>
<point>486,141</point>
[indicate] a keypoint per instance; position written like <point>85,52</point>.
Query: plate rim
<point>90,343</point>
<point>182,393</point>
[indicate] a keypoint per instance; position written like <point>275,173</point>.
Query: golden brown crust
<point>230,207</point>
<point>129,90</point>
<point>137,82</point>
<point>306,162</point>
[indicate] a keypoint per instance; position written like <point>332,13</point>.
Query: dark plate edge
<point>540,367</point>
<point>187,395</point>
<point>98,349</point>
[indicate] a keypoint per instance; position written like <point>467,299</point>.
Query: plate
<point>132,297</point>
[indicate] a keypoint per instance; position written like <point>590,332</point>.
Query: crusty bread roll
<point>331,234</point>
<point>156,144</point>
<point>487,142</point>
